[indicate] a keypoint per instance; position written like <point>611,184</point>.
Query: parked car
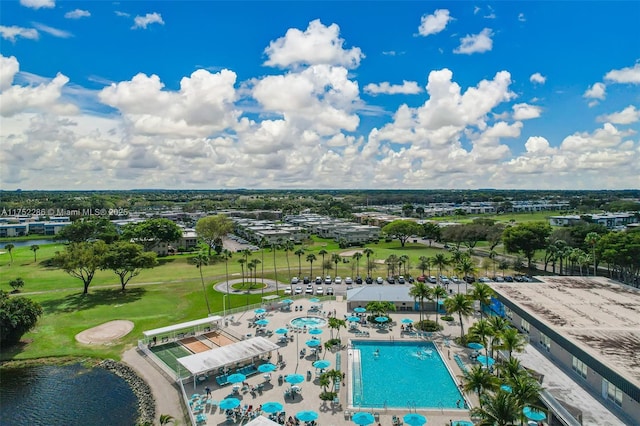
<point>470,279</point>
<point>422,279</point>
<point>369,280</point>
<point>379,280</point>
<point>318,280</point>
<point>455,279</point>
<point>327,279</point>
<point>319,290</point>
<point>498,279</point>
<point>444,280</point>
<point>358,280</point>
<point>298,290</point>
<point>508,279</point>
<point>287,290</point>
<point>411,279</point>
<point>306,280</point>
<point>484,280</point>
<point>432,279</point>
<point>401,280</point>
<point>391,280</point>
<point>295,280</point>
<point>329,291</point>
<point>309,289</point>
<point>338,280</point>
<point>348,281</point>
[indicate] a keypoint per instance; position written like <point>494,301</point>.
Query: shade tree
<point>127,260</point>
<point>82,260</point>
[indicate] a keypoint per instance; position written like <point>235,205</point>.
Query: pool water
<point>401,375</point>
<point>309,322</point>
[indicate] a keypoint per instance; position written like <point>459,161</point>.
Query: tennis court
<point>169,353</point>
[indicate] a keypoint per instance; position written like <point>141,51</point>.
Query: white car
<point>379,280</point>
<point>295,280</point>
<point>327,279</point>
<point>309,289</point>
<point>319,290</point>
<point>348,281</point>
<point>338,280</point>
<point>287,290</point>
<point>329,291</point>
<point>298,290</point>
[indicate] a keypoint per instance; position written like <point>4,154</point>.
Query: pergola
<point>214,359</point>
<point>172,330</point>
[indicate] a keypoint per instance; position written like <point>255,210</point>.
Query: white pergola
<point>213,359</point>
<point>171,330</point>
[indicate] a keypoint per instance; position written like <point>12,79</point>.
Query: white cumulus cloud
<point>521,17</point>
<point>77,14</point>
<point>148,19</point>
<point>13,32</point>
<point>406,88</point>
<point>38,4</point>
<point>625,75</point>
<point>9,67</point>
<point>433,24</point>
<point>526,111</point>
<point>537,78</point>
<point>318,44</point>
<point>597,91</point>
<point>476,43</point>
<point>52,31</point>
<point>629,115</point>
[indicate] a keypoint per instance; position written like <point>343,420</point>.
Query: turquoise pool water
<point>309,322</point>
<point>401,375</point>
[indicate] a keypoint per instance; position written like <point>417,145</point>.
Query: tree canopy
<point>127,260</point>
<point>17,316</point>
<point>402,230</point>
<point>84,230</point>
<point>212,229</point>
<point>526,238</point>
<point>81,260</point>
<point>151,232</point>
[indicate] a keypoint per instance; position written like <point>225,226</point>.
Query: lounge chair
<point>347,415</point>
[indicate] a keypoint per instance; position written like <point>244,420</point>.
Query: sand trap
<point>350,253</point>
<point>105,333</point>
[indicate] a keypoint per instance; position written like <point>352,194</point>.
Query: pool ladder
<point>411,405</point>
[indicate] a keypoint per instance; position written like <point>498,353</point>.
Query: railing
<point>558,410</point>
<point>192,417</point>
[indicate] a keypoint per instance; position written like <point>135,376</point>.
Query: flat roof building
<point>589,327</point>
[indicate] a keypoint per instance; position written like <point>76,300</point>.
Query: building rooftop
<point>373,292</point>
<point>596,314</point>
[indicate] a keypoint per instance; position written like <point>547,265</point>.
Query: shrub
<point>328,396</point>
<point>446,318</point>
<point>429,325</point>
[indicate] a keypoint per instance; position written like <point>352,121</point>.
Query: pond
<point>27,243</point>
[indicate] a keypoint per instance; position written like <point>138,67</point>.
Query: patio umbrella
<point>263,321</point>
<point>353,319</point>
<point>260,311</point>
<point>315,331</point>
<point>407,321</point>
<point>236,378</point>
<point>271,407</point>
<point>475,346</point>
<point>382,319</point>
<point>287,301</point>
<point>266,368</point>
<point>363,418</point>
<point>294,378</point>
<point>506,388</point>
<point>533,414</point>
<point>313,343</point>
<point>486,360</point>
<point>322,364</point>
<point>314,300</point>
<point>360,310</point>
<point>307,416</point>
<point>414,419</point>
<point>282,330</point>
<point>229,403</point>
<point>462,423</point>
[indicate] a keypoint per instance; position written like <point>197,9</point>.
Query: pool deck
<point>308,399</point>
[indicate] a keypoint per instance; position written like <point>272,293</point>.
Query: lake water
<point>65,395</point>
<point>27,243</point>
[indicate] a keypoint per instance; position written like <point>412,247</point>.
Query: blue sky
<point>319,94</point>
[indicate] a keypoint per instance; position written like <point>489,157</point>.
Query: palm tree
<point>499,409</point>
<point>499,326</point>
<point>288,246</point>
<point>368,252</point>
<point>275,269</point>
<point>511,368</point>
<point>357,256</point>
<point>420,291</point>
<point>465,268</point>
<point>255,263</point>
<point>324,382</point>
<point>438,292</point>
<point>461,305</point>
<point>478,380</point>
<point>202,260</point>
<point>482,293</point>
<point>492,256</point>
<point>165,419</point>
<point>425,263</point>
<point>311,258</point>
<point>525,390</point>
<point>299,253</point>
<point>34,248</point>
<point>9,247</point>
<point>592,239</point>
<point>404,261</point>
<point>263,245</point>
<point>242,263</point>
<point>512,341</point>
<point>322,253</point>
<point>440,260</point>
<point>392,263</point>
<point>226,255</point>
<point>380,308</point>
<point>336,323</point>
<point>335,258</point>
<point>481,330</point>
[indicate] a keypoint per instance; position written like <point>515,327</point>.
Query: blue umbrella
<point>236,378</point>
<point>307,416</point>
<point>313,343</point>
<point>260,311</point>
<point>281,330</point>
<point>407,321</point>
<point>462,423</point>
<point>382,319</point>
<point>266,368</point>
<point>353,319</point>
<point>506,388</point>
<point>263,321</point>
<point>533,414</point>
<point>322,364</point>
<point>294,378</point>
<point>414,419</point>
<point>486,360</point>
<point>475,346</point>
<point>315,331</point>
<point>363,418</point>
<point>360,310</point>
<point>314,300</point>
<point>287,301</point>
<point>229,403</point>
<point>271,407</point>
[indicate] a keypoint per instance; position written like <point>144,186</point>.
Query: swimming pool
<point>309,322</point>
<point>400,375</point>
